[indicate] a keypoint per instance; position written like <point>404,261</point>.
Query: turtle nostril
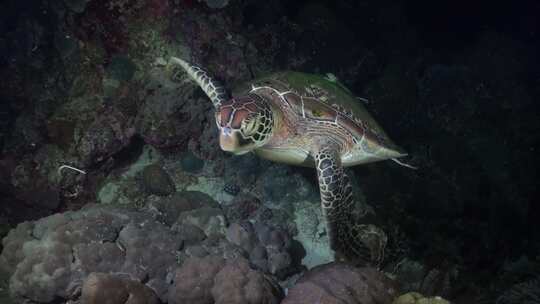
<point>226,131</point>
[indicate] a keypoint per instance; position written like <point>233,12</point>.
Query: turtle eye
<point>249,126</point>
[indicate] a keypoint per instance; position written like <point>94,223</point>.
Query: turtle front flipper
<point>211,87</point>
<point>351,238</point>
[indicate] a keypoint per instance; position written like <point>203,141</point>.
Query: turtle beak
<point>228,140</point>
<point>231,141</point>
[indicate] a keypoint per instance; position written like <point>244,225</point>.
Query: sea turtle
<point>307,120</point>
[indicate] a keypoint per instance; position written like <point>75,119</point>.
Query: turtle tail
<point>211,87</point>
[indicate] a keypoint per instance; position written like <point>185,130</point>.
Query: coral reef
<point>201,273</point>
<point>104,137</point>
<point>56,254</point>
<point>119,252</point>
<point>242,207</point>
<point>213,279</point>
<point>169,209</point>
<point>156,180</point>
<point>209,220</point>
<point>342,283</point>
<point>106,288</point>
<point>170,116</point>
<point>269,249</point>
<point>416,298</point>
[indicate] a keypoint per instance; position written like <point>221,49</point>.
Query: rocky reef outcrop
<point>152,255</point>
<point>52,257</point>
<point>342,283</point>
<point>176,250</point>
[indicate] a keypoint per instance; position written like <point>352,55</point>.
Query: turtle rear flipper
<point>351,239</point>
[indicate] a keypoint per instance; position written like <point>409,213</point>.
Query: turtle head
<point>245,123</point>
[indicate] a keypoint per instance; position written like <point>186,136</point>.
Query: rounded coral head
<point>245,123</point>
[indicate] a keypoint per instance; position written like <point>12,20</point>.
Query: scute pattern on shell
<point>323,100</point>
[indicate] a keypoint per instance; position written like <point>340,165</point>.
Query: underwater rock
<point>411,273</point>
<point>77,6</point>
<point>171,115</point>
<point>27,133</point>
<point>191,163</point>
<point>34,188</point>
<point>278,249</point>
<point>190,234</point>
<point>157,181</point>
<point>90,256</point>
<point>126,188</point>
<point>50,158</point>
<point>13,246</point>
<point>109,133</point>
<point>194,280</point>
<point>121,68</point>
<point>52,257</point>
<point>210,220</point>
<point>373,241</point>
<point>169,209</point>
<point>311,228</point>
<point>438,281</point>
<point>276,183</point>
<point>206,146</point>
<point>69,121</point>
<point>40,180</point>
<point>243,170</point>
<point>414,275</point>
<point>342,284</point>
<point>213,279</point>
<point>242,236</point>
<point>209,247</point>
<point>236,282</point>
<point>279,263</point>
<point>258,257</point>
<point>527,292</point>
<point>268,248</point>
<point>416,298</point>
<point>280,185</point>
<point>216,3</point>
<point>151,250</point>
<point>89,129</point>
<point>120,191</point>
<point>226,60</point>
<point>242,207</point>
<point>101,288</point>
<point>4,228</point>
<point>65,185</point>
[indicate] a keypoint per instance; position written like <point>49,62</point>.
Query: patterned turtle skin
<point>307,120</point>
